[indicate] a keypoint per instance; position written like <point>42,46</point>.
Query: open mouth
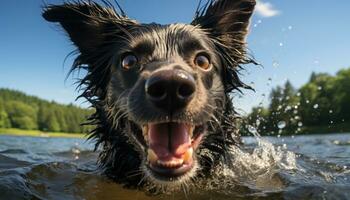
<point>170,148</point>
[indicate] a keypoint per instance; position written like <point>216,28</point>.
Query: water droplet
<point>257,122</point>
<point>319,88</point>
<point>275,63</point>
<point>331,111</point>
<point>298,94</point>
<point>307,101</point>
<point>281,124</point>
<point>252,129</point>
<point>288,108</point>
<point>75,150</point>
<point>281,44</point>
<point>290,27</point>
<point>259,21</point>
<point>300,124</point>
<point>315,106</point>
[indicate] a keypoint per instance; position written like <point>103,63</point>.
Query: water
<point>300,167</point>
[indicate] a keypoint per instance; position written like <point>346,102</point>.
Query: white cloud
<point>266,9</point>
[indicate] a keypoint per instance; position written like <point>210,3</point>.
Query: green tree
<point>4,120</point>
<point>342,94</point>
<point>21,115</point>
<point>283,109</point>
<point>28,112</point>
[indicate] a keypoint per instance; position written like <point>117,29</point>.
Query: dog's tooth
<point>170,164</point>
<point>188,155</point>
<point>145,129</point>
<point>152,156</point>
<point>145,132</point>
<point>190,131</point>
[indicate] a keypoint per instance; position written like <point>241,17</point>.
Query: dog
<point>161,93</point>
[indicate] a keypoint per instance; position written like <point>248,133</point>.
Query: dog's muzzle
<point>170,145</point>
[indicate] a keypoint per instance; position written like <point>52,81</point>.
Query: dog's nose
<point>170,90</point>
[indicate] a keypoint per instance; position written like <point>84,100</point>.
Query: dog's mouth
<point>170,148</point>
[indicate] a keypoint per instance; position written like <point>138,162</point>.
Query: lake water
<point>300,167</point>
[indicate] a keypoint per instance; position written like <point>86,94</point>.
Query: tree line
<point>321,105</point>
<point>18,110</point>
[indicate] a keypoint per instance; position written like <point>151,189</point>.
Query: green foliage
<point>21,115</point>
<point>4,119</point>
<point>324,102</point>
<point>18,110</point>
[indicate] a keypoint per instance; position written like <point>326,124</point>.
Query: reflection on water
<point>302,167</point>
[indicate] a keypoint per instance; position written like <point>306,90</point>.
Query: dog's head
<point>160,91</point>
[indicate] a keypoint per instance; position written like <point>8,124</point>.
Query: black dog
<point>161,92</point>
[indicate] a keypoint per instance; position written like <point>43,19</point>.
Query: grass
<point>37,133</point>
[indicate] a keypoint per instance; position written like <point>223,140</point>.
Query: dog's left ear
<point>226,19</point>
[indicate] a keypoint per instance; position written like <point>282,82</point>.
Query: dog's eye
<point>202,61</point>
<point>129,61</point>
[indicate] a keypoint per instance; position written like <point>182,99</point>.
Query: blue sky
<point>290,38</point>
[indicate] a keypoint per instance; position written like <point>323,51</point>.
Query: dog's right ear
<point>87,23</point>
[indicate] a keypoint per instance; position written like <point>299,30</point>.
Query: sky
<point>290,38</point>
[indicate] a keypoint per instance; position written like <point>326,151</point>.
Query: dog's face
<point>168,81</point>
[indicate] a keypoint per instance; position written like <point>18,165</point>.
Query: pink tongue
<point>169,140</point>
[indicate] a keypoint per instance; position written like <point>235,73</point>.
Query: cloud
<point>266,9</point>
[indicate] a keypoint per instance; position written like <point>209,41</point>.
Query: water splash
<point>256,168</point>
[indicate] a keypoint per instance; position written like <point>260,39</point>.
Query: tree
<point>19,110</point>
<point>4,119</point>
<point>21,115</point>
<point>283,109</point>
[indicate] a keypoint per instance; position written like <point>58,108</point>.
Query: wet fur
<point>221,25</point>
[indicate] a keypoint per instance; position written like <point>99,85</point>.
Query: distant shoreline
<point>37,133</point>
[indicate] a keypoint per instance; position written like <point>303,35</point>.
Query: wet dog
<point>164,114</point>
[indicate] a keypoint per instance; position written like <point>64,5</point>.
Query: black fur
<point>101,34</point>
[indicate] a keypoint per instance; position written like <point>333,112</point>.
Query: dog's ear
<point>87,23</point>
<point>226,18</point>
